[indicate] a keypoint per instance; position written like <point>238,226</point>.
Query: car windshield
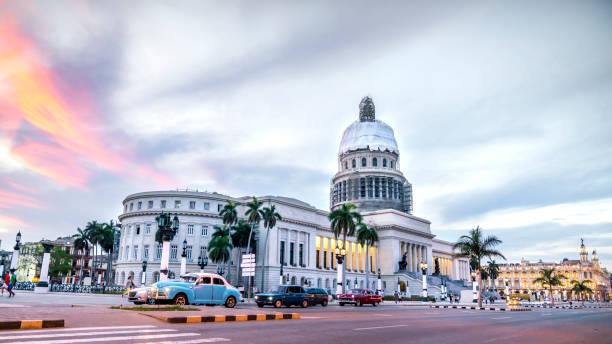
<point>279,289</point>
<point>189,278</point>
<point>356,291</point>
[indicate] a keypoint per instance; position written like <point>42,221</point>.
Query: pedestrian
<point>129,284</point>
<point>396,296</point>
<point>12,282</point>
<point>2,286</point>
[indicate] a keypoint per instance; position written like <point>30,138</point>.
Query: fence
<point>74,288</point>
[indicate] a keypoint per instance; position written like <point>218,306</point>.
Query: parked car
<point>320,296</point>
<point>513,302</point>
<point>138,295</point>
<point>359,297</point>
<point>285,295</point>
<point>195,288</point>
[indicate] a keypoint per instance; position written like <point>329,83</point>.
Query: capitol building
<point>369,176</point>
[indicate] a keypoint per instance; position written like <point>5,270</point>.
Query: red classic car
<point>360,297</point>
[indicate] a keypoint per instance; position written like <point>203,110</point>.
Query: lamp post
<point>220,270</point>
<point>15,257</point>
<point>356,283</point>
<point>184,258</point>
<point>424,271</point>
<point>340,253</point>
<point>474,298</point>
<point>144,273</point>
<point>507,290</point>
<point>379,284</point>
<point>202,262</point>
<point>168,229</point>
<point>281,275</point>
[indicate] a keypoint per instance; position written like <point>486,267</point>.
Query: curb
<point>30,324</point>
<point>225,318</point>
<point>567,307</point>
<point>497,309</point>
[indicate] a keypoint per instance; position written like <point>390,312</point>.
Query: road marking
<point>546,314</point>
<point>314,317</point>
<point>83,329</point>
<point>383,315</point>
<point>109,339</point>
<point>26,336</point>
<point>13,305</point>
<point>500,318</point>
<point>195,341</point>
<point>373,328</point>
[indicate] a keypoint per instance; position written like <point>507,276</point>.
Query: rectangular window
<point>219,207</point>
<point>188,250</point>
<point>206,206</point>
<point>148,228</point>
<point>191,204</point>
<point>127,253</point>
<point>150,205</point>
<point>139,205</point>
<point>135,252</point>
<point>202,251</point>
<point>189,229</point>
<point>318,251</point>
<point>131,206</point>
<point>204,230</point>
<point>282,252</point>
<point>177,204</point>
<point>125,209</point>
<point>137,229</point>
<point>162,204</point>
<point>158,251</point>
<point>291,253</point>
<point>145,253</point>
<point>318,258</point>
<point>173,252</point>
<point>301,255</point>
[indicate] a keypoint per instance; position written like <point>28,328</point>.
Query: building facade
<point>302,243</point>
<point>520,276</point>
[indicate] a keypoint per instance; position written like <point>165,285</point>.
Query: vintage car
<point>513,302</point>
<point>285,295</point>
<point>359,297</point>
<point>320,296</point>
<point>195,288</point>
<point>138,295</point>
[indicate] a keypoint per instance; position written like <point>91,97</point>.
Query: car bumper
<point>346,301</point>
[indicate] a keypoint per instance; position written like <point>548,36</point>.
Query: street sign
<point>248,256</point>
<point>247,265</point>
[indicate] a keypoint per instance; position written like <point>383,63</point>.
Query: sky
<point>502,110</point>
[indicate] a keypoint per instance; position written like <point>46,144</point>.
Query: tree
<point>81,243</point>
<point>94,234</point>
<point>581,287</point>
<point>343,221</point>
<point>228,214</point>
<point>549,279</point>
<point>476,247</point>
<point>367,236</point>
<point>61,262</point>
<point>269,216</point>
<point>493,271</point>
<point>107,244</point>
<point>241,233</point>
<point>220,246</point>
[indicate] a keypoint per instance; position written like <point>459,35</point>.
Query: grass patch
<point>153,309</point>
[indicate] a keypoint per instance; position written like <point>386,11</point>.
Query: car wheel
<point>374,304</point>
<point>230,302</point>
<point>260,305</point>
<point>151,301</point>
<point>180,300</point>
<point>304,303</point>
<point>324,303</point>
<point>341,303</point>
<point>278,304</point>
<point>358,303</point>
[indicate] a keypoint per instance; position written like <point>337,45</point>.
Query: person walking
<point>129,284</point>
<point>396,296</point>
<point>12,281</point>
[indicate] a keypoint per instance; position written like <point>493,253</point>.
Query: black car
<point>285,295</point>
<point>320,296</point>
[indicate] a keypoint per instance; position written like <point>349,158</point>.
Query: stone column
<point>428,258</point>
<point>165,258</point>
<point>44,269</point>
<point>15,258</point>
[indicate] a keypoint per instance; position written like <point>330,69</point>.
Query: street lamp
<point>379,284</point>
<point>340,253</point>
<point>15,257</point>
<point>144,270</point>
<point>202,262</point>
<point>168,229</point>
<point>424,271</point>
<point>220,270</point>
<point>184,258</point>
<point>474,286</point>
<point>356,283</point>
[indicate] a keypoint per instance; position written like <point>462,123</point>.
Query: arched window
<point>156,276</point>
<point>363,162</point>
<point>171,274</point>
<point>293,280</point>
<point>391,163</point>
<point>319,283</point>
<point>384,162</point>
<point>354,163</point>
<point>346,165</point>
<point>374,162</point>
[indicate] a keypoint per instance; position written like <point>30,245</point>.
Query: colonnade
<point>415,254</point>
<point>445,264</point>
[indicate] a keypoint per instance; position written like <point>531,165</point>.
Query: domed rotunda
<point>368,166</point>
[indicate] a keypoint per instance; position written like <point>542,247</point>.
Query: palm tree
<point>367,236</point>
<point>229,213</point>
<point>581,287</point>
<point>254,215</point>
<point>549,279</point>
<point>270,216</point>
<point>475,246</point>
<point>94,234</point>
<point>493,271</point>
<point>107,244</point>
<point>220,247</point>
<point>343,222</point>
<point>81,243</point>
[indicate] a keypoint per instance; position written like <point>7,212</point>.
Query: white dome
<point>375,136</point>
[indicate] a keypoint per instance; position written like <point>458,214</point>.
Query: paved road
<point>385,324</point>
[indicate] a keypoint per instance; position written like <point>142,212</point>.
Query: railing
<point>24,286</point>
<point>74,288</point>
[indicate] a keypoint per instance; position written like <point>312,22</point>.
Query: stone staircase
<point>414,285</point>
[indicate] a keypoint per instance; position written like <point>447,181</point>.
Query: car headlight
<point>167,290</point>
<point>352,296</point>
<point>270,298</point>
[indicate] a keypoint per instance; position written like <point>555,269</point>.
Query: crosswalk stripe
<point>195,341</point>
<point>109,339</point>
<point>82,329</point>
<point>73,334</point>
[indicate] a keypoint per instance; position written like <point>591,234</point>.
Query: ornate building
<point>302,243</point>
<point>520,277</point>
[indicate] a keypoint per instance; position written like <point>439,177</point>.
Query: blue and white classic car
<point>195,288</point>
